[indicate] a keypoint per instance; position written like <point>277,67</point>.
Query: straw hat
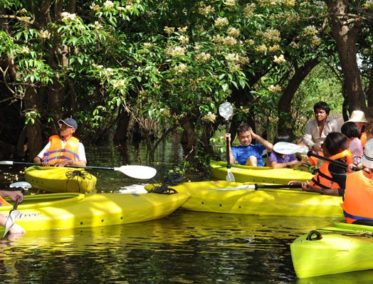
<point>367,159</point>
<point>357,116</point>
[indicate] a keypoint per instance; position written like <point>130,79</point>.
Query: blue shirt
<point>242,153</point>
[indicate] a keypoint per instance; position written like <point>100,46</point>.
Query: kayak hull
<point>258,174</point>
<point>60,179</point>
<point>213,196</point>
<point>339,249</point>
<point>73,210</point>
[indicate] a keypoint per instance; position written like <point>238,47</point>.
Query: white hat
<point>357,116</point>
<point>367,159</point>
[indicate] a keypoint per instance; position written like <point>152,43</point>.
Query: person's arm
<point>82,162</point>
<point>39,158</point>
<point>307,137</point>
<point>261,140</point>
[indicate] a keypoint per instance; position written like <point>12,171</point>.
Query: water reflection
<point>187,247</point>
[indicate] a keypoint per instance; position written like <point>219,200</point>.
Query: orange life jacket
<point>358,198</point>
<point>61,150</point>
<point>3,202</point>
<point>323,178</point>
<point>363,138</point>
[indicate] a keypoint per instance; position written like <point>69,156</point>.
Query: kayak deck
<point>60,179</point>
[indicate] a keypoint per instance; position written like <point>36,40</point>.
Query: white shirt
<point>312,131</point>
<point>81,151</point>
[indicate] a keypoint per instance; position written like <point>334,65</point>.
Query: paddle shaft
<point>274,186</point>
<point>334,162</point>
<point>227,146</point>
<point>68,166</point>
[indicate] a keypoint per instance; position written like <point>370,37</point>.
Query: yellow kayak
<point>60,179</point>
<point>239,198</point>
<point>244,173</point>
<point>74,210</point>
<point>337,249</point>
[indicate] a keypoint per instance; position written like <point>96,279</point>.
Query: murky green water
<point>186,247</point>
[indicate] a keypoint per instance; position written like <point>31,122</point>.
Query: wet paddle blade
<point>139,172</point>
<point>12,217</point>
<point>226,110</point>
<point>230,176</point>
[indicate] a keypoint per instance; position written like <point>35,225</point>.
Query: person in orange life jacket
<point>358,195</point>
<point>63,149</point>
<point>278,160</point>
<point>318,128</point>
<point>330,178</point>
<point>248,153</point>
<point>13,195</point>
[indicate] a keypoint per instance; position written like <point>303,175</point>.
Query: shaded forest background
<point>143,70</point>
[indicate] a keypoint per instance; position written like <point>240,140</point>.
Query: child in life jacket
<point>330,178</point>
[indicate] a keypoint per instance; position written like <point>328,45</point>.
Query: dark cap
<point>70,122</point>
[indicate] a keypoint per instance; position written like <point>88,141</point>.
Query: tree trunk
<point>188,139</point>
<point>285,125</point>
<point>33,131</point>
<point>345,29</point>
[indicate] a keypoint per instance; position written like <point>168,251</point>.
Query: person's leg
<point>252,161</point>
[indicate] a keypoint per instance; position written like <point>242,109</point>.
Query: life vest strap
<point>355,217</point>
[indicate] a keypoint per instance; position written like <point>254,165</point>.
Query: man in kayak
<point>318,128</point>
<point>63,149</point>
<point>248,153</point>
<point>13,195</point>
<point>358,196</point>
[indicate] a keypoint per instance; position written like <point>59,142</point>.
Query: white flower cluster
<point>180,68</point>
<point>44,34</point>
<point>249,10</point>
<point>175,51</point>
<point>66,16</point>
<point>275,89</point>
<point>233,32</point>
<point>221,22</point>
<point>279,59</point>
<point>206,10</point>
<point>209,117</point>
<point>203,57</point>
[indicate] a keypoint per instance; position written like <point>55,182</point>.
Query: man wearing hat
<point>63,149</point>
<point>358,196</point>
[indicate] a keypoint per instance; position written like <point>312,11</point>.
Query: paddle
<point>287,148</point>
<point>261,186</point>
<point>291,148</point>
<point>134,171</point>
<point>226,111</point>
<point>14,213</point>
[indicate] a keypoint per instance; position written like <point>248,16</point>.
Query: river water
<point>186,247</point>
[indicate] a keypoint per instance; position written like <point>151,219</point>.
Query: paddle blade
<point>287,148</point>
<point>12,217</point>
<point>230,176</point>
<point>21,184</point>
<point>226,110</point>
<point>139,172</point>
<point>6,163</point>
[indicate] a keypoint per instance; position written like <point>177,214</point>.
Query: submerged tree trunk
<point>345,28</point>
